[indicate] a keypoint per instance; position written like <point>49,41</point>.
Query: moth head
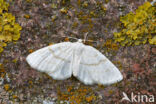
<point>79,40</point>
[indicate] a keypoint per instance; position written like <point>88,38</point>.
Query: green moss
<point>9,29</point>
<point>139,27</point>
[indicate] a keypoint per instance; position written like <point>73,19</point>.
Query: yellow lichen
<point>6,87</point>
<point>110,92</point>
<point>14,60</point>
<point>29,1</point>
<point>14,96</point>
<point>106,1</point>
<point>64,10</point>
<point>110,45</point>
<point>3,6</point>
<point>79,95</point>
<point>2,71</point>
<point>30,82</point>
<point>9,29</point>
<point>27,16</point>
<point>139,27</point>
<point>54,5</point>
<point>75,24</point>
<point>85,4</point>
<point>90,98</point>
<point>53,18</point>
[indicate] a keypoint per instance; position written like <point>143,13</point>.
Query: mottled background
<point>45,22</point>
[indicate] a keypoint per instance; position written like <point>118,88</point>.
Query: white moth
<point>62,60</point>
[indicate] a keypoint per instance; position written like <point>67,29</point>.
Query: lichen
<point>78,95</point>
<point>2,71</point>
<point>110,45</point>
<point>27,16</point>
<point>85,13</point>
<point>6,87</point>
<point>31,50</point>
<point>139,27</point>
<point>9,29</point>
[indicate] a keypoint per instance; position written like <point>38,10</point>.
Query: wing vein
<point>95,63</point>
<point>63,59</point>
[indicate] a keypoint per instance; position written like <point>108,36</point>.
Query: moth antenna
<point>85,37</point>
<point>92,41</point>
<point>72,37</point>
<point>65,37</point>
<point>69,37</point>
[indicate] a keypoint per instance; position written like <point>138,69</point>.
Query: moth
<point>62,60</point>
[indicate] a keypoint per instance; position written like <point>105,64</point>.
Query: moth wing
<point>54,60</point>
<point>96,68</point>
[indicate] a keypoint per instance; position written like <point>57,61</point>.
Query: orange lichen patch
<point>51,44</point>
<point>6,87</point>
<point>77,95</point>
<point>66,39</point>
<point>14,96</point>
<point>27,16</point>
<point>30,50</point>
<point>2,70</point>
<point>69,88</point>
<point>2,75</point>
<point>90,98</point>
